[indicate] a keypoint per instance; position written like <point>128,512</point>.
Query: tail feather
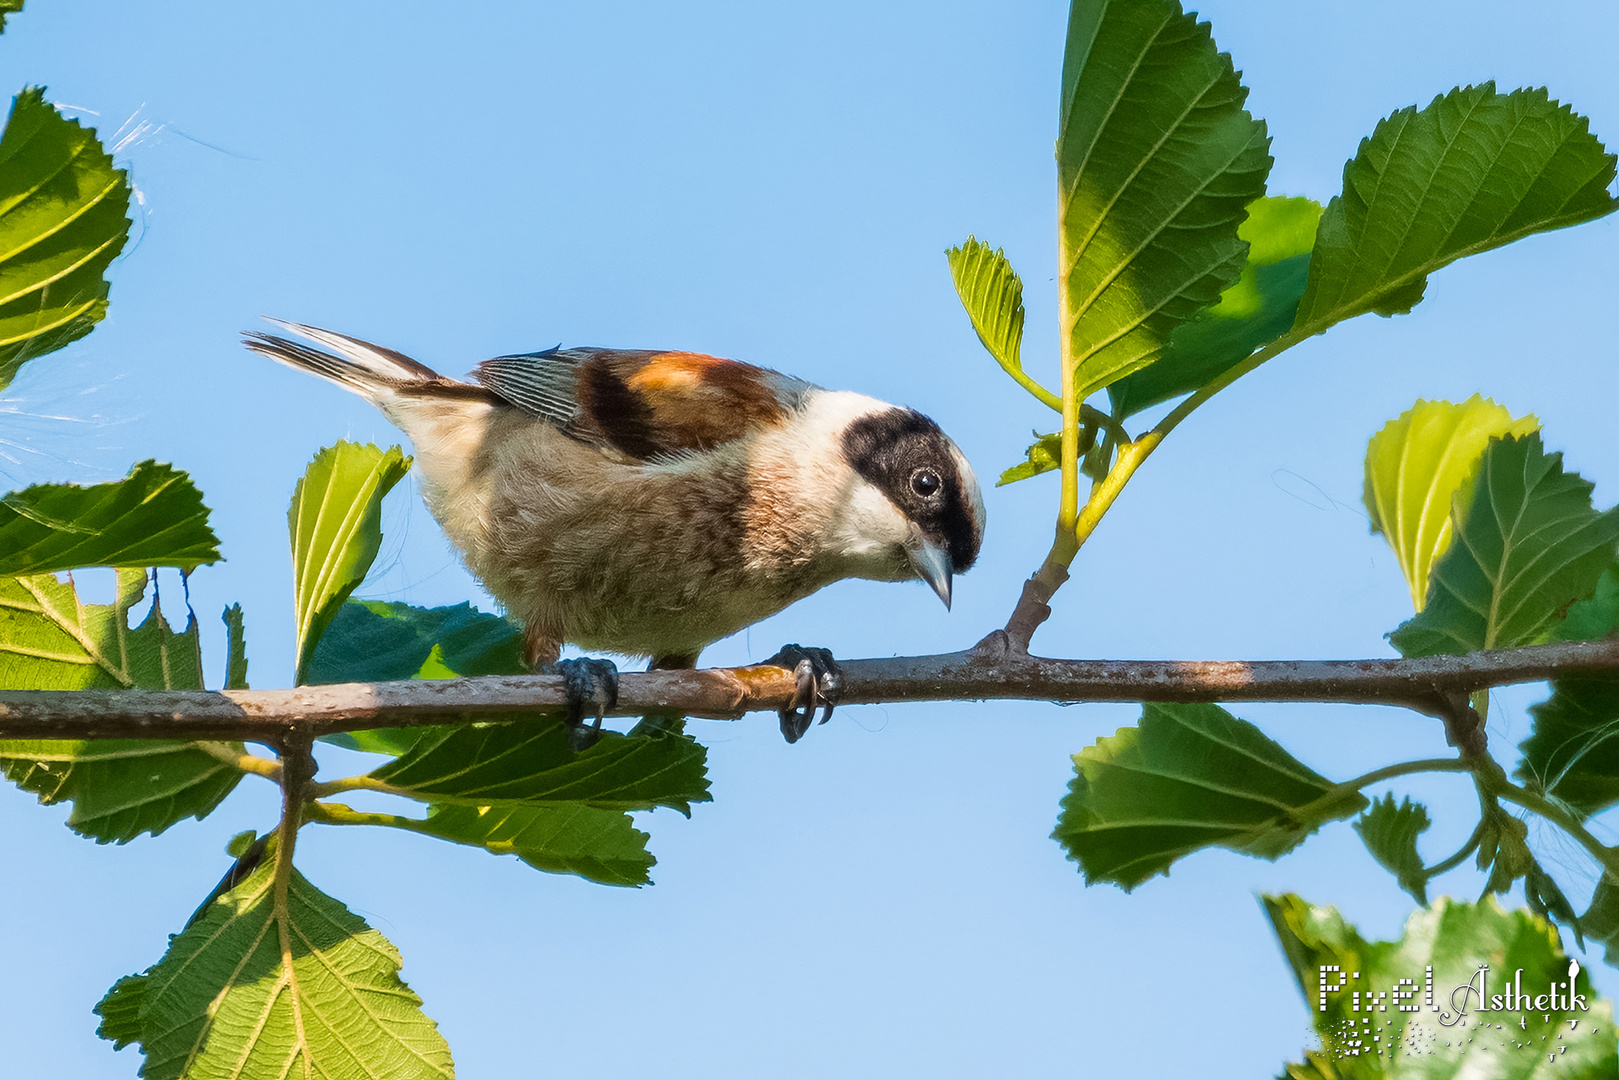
<point>369,370</point>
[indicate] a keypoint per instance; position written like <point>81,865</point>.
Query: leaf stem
<point>1456,860</point>
<point>1403,768</point>
<point>329,813</point>
<point>356,783</point>
<point>1606,856</point>
<point>247,763</point>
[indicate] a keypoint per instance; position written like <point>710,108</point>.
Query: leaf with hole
<point>63,218</point>
<point>1259,308</point>
<point>1472,171</point>
<point>1189,777</point>
<point>1415,468</point>
<point>336,526</point>
<point>1529,544</point>
<point>1157,163</point>
<point>265,986</point>
<point>152,517</point>
<point>119,788</point>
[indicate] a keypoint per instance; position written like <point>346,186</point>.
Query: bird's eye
<point>925,482</point>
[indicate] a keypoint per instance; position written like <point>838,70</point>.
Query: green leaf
<point>1415,468</point>
<point>993,296</point>
<point>1601,920</point>
<point>336,526</point>
<point>1189,777</point>
<point>567,838</point>
<point>260,988</point>
<point>372,641</point>
<point>120,1011</point>
<point>529,762</point>
<point>1390,833</point>
<point>1259,308</point>
<point>1503,849</point>
<point>1044,456</point>
<point>1157,162</point>
<point>1472,171</point>
<point>235,649</point>
<point>63,219</point>
<point>1454,939</point>
<point>152,517</point>
<point>1531,545</point>
<point>119,788</point>
<point>1573,749</point>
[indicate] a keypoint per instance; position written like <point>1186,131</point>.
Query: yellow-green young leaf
<point>530,762</point>
<point>1189,777</point>
<point>1530,545</point>
<point>1045,455</point>
<point>8,7</point>
<point>336,526</point>
<point>152,517</point>
<point>63,218</point>
<point>993,296</point>
<point>261,987</point>
<point>1416,466</point>
<point>1157,162</point>
<point>1453,940</point>
<point>1259,308</point>
<point>603,846</point>
<point>1472,171</point>
<point>1390,833</point>
<point>119,788</point>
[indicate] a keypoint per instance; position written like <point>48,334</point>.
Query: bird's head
<point>874,491</point>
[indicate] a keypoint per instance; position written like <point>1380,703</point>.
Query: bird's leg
<point>820,681</point>
<point>586,681</point>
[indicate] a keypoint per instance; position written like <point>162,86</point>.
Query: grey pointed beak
<point>932,564</point>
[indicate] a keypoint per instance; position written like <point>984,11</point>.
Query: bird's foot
<point>820,682</point>
<point>587,681</point>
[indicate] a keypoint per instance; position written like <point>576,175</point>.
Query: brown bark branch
<point>994,669</point>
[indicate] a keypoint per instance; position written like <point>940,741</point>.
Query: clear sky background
<point>775,183</point>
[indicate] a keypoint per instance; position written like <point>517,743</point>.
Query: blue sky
<point>778,184</point>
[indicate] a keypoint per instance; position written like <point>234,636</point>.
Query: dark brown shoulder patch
<point>648,404</point>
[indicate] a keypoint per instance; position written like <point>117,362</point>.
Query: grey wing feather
<point>542,383</point>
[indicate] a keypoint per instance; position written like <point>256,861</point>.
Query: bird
<point>648,503</point>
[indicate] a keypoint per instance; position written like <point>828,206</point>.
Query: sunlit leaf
<point>1404,1035</point>
<point>1045,455</point>
<point>336,526</point>
<point>261,988</point>
<point>152,517</point>
<point>1415,468</point>
<point>1259,308</point>
<point>119,788</point>
<point>1472,171</point>
<point>63,219</point>
<point>1390,833</point>
<point>1157,162</point>
<point>993,296</point>
<point>1530,545</point>
<point>530,762</point>
<point>1189,777</point>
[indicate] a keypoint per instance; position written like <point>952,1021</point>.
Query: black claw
<point>587,681</point>
<point>820,682</point>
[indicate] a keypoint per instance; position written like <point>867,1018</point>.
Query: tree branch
<point>991,670</point>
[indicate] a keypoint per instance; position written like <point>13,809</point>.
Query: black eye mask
<point>907,457</point>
